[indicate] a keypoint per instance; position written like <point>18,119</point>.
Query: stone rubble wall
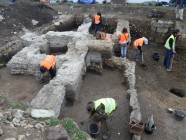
<point>159,27</point>
<point>85,27</point>
<point>70,68</point>
<point>9,50</point>
<point>130,78</point>
<point>103,46</point>
<point>120,25</point>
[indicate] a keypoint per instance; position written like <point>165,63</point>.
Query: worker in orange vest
<point>104,36</point>
<point>97,22</point>
<point>49,64</point>
<point>138,44</point>
<point>124,41</point>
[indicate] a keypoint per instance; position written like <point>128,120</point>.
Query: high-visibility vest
<point>138,42</point>
<point>167,46</point>
<point>49,62</point>
<point>124,38</point>
<point>109,103</point>
<point>97,19</point>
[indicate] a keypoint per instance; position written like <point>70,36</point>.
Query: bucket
<point>147,131</point>
<point>93,130</point>
<point>156,56</point>
<point>179,115</point>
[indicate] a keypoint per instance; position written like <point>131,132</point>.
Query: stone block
<point>57,133</point>
<point>157,25</point>
<point>136,115</point>
<point>48,101</point>
<point>134,104</point>
<point>136,137</point>
<point>162,30</point>
<point>29,38</point>
<point>94,62</point>
<point>102,46</point>
<point>70,75</point>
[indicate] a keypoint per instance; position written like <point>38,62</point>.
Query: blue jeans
<point>97,27</point>
<point>123,50</point>
<point>167,60</point>
<point>137,53</point>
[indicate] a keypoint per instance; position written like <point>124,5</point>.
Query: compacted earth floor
<point>94,87</point>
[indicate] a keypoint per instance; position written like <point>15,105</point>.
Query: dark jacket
<point>181,4</point>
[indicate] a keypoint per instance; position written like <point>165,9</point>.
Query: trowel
<point>142,63</point>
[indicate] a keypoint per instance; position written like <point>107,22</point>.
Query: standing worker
<point>49,64</point>
<point>97,22</point>
<point>170,49</point>
<point>179,9</point>
<point>138,44</point>
<point>102,109</point>
<point>123,41</point>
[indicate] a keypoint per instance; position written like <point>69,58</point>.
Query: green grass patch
<point>72,129</point>
<point>50,121</point>
<point>22,106</point>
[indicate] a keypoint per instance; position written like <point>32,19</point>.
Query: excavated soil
<point>20,15</point>
<point>153,82</point>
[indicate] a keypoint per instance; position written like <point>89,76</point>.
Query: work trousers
<point>138,52</point>
<point>97,28</point>
<point>167,60</point>
<point>52,72</point>
<point>123,50</point>
<point>179,12</point>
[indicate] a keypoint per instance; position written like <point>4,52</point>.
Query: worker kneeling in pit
<point>49,64</point>
<point>101,110</point>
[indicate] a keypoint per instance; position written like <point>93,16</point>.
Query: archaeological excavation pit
<point>72,49</point>
<point>108,25</point>
<point>69,24</point>
<point>94,87</point>
<point>71,40</point>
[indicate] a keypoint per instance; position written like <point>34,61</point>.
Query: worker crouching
<point>49,64</point>
<point>101,110</point>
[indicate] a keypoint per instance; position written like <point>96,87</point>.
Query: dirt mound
<point>19,15</point>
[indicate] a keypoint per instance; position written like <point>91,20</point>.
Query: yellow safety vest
<point>167,46</point>
<point>109,103</point>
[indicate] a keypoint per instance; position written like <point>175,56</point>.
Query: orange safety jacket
<point>97,19</point>
<point>104,36</point>
<point>138,42</point>
<point>48,62</point>
<point>124,38</point>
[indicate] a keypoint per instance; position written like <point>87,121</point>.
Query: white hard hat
<point>145,40</point>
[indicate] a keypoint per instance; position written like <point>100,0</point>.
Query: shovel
<point>142,63</point>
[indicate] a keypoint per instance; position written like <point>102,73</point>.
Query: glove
<point>174,52</point>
